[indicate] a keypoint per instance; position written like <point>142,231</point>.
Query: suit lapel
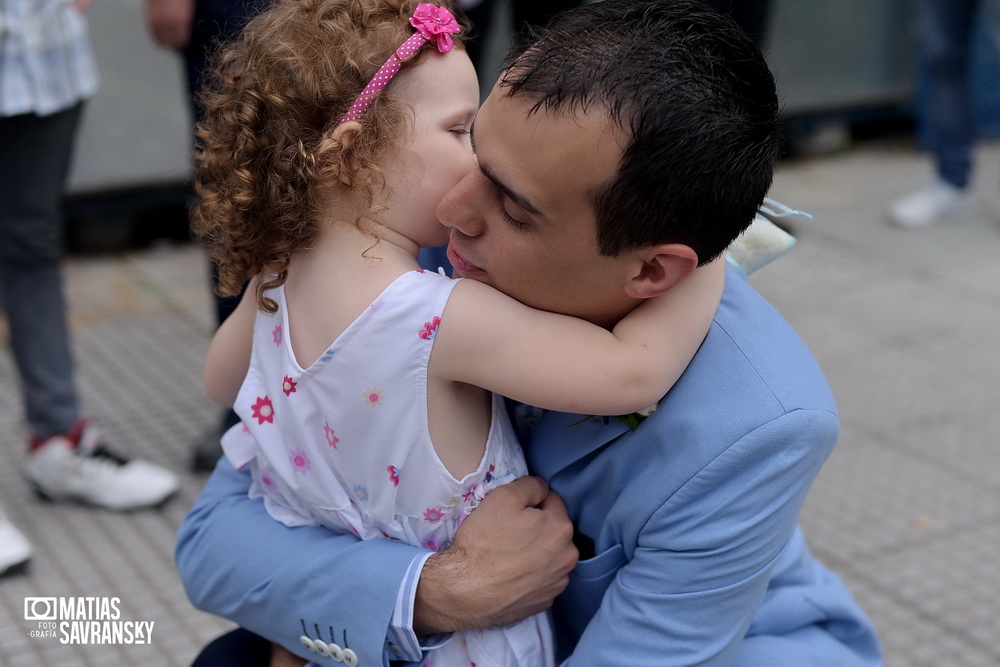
<point>559,440</point>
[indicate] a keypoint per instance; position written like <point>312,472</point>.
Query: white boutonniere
<point>632,419</point>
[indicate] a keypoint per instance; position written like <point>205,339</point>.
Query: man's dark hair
<point>693,95</point>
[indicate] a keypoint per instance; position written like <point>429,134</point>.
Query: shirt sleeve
<point>402,643</point>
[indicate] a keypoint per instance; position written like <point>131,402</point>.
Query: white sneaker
<point>14,546</point>
<point>75,467</point>
<point>935,202</point>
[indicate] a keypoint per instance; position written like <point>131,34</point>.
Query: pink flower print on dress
<point>430,328</point>
<point>267,481</point>
<point>431,544</point>
<point>373,396</point>
<point>263,410</point>
<point>300,461</point>
<point>489,473</point>
<point>394,474</point>
<point>277,335</point>
<point>288,386</point>
<point>331,439</point>
<point>433,514</point>
<point>470,493</point>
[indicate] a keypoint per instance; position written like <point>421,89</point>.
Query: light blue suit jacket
<point>692,518</point>
<point>687,526</point>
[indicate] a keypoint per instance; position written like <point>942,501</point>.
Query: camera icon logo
<point>40,609</point>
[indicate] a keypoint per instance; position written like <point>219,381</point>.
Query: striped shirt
<point>402,642</point>
<point>46,61</point>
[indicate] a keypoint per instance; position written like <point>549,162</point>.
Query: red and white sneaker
<point>76,467</point>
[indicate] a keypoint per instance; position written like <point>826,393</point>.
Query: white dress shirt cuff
<point>402,642</point>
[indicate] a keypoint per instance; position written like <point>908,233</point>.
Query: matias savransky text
<point>85,620</point>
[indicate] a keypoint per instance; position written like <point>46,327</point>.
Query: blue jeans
<point>947,36</point>
<point>34,162</point>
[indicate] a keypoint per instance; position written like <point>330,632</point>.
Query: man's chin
<point>478,276</point>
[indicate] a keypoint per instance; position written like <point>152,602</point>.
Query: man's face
<point>524,222</point>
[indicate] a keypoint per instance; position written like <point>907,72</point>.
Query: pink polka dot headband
<point>432,23</point>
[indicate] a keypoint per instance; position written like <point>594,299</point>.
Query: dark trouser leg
<point>214,21</point>
<point>34,161</point>
<point>239,648</point>
<point>947,34</point>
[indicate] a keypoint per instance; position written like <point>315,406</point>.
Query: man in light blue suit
<point>629,125</point>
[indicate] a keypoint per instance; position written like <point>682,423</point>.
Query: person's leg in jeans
<point>34,160</point>
<point>32,168</point>
<point>947,33</point>
<point>67,460</point>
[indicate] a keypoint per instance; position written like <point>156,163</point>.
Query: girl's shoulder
<point>427,274</point>
<point>426,281</point>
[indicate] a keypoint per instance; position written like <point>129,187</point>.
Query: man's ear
<point>659,268</point>
<point>346,134</point>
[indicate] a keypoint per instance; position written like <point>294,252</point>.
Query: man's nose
<point>459,208</point>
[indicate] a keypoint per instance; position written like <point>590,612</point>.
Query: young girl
<point>362,410</point>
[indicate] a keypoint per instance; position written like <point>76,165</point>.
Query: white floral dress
<point>344,444</point>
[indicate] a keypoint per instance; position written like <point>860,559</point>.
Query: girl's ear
<point>346,134</point>
<point>659,268</point>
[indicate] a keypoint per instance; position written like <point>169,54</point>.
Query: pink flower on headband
<point>435,23</point>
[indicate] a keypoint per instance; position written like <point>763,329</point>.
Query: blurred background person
<point>483,13</point>
<point>193,28</point>
<point>947,39</point>
<point>752,15</point>
<point>47,70</point>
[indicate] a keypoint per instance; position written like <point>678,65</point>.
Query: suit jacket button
<point>320,647</point>
<point>335,652</point>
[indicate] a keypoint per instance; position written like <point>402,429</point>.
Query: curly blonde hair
<point>265,153</point>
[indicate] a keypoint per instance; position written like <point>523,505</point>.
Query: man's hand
<point>169,22</point>
<point>510,558</point>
